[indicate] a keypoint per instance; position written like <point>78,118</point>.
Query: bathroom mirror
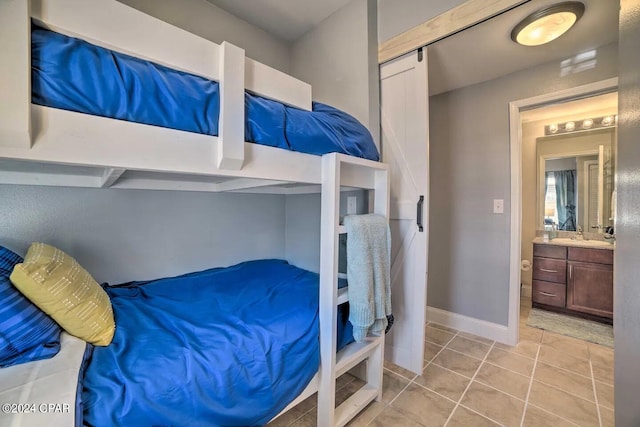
<point>576,179</point>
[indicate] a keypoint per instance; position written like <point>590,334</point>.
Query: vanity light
<point>590,123</point>
<point>547,24</point>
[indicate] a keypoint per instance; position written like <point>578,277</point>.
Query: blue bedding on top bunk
<point>226,346</point>
<point>72,74</point>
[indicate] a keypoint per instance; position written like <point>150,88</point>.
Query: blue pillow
<point>26,333</point>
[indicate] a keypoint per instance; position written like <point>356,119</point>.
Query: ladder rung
<point>355,353</point>
<point>343,295</point>
<point>354,404</point>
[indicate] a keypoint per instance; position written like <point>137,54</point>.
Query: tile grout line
<point>476,340</point>
<point>449,370</point>
<point>313,407</point>
<point>555,415</point>
<point>469,385</point>
<point>386,405</point>
<point>443,347</point>
<point>482,415</point>
<point>435,392</point>
<point>412,381</point>
<point>606,406</point>
<point>507,369</point>
<point>566,391</point>
<point>567,370</point>
<point>501,391</point>
<point>465,354</point>
<point>595,391</point>
<point>398,374</point>
<point>526,400</point>
<point>513,352</point>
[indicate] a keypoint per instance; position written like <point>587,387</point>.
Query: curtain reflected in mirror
<point>560,199</point>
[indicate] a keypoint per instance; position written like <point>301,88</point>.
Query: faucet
<point>578,235</point>
<point>610,237</point>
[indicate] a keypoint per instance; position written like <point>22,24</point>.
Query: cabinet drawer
<point>549,293</point>
<point>550,270</point>
<point>549,251</point>
<point>600,256</point>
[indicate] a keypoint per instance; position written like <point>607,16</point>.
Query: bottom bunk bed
<point>220,347</point>
<point>225,346</point>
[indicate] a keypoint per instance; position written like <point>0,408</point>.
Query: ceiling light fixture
<point>547,24</point>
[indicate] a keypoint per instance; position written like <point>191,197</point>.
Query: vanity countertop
<point>564,241</point>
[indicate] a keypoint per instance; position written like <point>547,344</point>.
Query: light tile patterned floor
<point>546,380</point>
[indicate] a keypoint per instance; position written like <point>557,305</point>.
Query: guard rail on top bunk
<point>42,145</point>
<point>336,168</point>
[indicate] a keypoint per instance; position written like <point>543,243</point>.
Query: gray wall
<point>124,235</point>
<point>626,268</point>
<point>210,22</point>
<point>469,167</point>
<point>397,16</point>
<point>303,226</point>
<point>338,58</point>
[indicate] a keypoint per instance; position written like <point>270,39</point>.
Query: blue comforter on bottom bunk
<point>226,346</point>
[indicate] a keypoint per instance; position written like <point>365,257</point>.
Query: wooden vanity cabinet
<point>590,281</point>
<point>549,275</point>
<point>573,280</point>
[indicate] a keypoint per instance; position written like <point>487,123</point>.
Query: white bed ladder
<point>343,170</point>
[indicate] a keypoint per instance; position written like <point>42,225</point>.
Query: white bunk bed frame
<point>47,146</point>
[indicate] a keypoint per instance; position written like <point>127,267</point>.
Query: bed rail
<point>118,27</point>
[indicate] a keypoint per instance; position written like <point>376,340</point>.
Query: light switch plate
<point>498,206</point>
<point>352,205</point>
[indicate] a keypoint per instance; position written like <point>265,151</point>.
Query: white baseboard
<point>482,328</point>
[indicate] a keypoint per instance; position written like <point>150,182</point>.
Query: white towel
<point>368,273</point>
<point>614,202</point>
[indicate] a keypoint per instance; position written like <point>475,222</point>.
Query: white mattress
<point>42,393</point>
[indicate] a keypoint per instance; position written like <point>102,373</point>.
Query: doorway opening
<point>528,195</point>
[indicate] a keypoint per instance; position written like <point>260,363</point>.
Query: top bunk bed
<point>69,116</point>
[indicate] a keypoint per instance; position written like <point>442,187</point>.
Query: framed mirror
<point>576,180</point>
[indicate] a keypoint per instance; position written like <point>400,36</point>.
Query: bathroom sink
<point>585,243</point>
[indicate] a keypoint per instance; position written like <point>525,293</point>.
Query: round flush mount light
<point>547,24</point>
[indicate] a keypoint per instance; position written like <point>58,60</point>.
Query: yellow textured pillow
<point>60,287</point>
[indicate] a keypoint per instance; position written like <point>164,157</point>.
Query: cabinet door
<point>590,288</point>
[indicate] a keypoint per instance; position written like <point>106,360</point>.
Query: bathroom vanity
<point>574,277</point>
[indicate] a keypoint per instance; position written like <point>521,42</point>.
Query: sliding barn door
<point>405,142</point>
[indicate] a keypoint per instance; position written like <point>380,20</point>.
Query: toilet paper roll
<point>525,265</point>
